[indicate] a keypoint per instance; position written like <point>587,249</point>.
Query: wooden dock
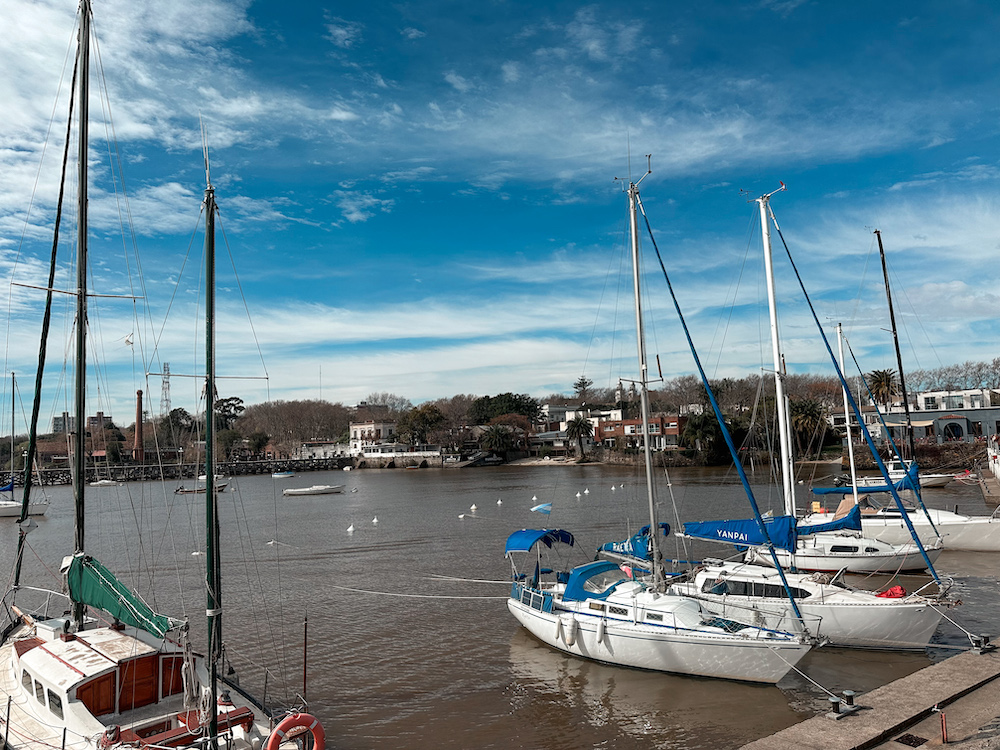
<point>908,712</point>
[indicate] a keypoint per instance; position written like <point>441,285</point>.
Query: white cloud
<point>360,206</point>
<point>458,82</point>
<point>343,34</point>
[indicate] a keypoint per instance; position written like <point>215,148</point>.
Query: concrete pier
<point>908,712</point>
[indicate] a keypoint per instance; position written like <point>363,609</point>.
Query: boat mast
<point>847,417</point>
<point>80,388</point>
<point>899,357</point>
<point>633,197</point>
<point>213,558</point>
<point>784,432</point>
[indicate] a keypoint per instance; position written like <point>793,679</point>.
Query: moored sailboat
<point>110,672</point>
<point>600,611</point>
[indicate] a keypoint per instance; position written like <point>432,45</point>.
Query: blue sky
<point>419,197</point>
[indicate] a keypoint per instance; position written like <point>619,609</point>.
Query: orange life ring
<point>290,722</point>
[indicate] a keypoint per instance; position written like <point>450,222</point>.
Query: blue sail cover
<point>851,521</point>
<point>525,539</point>
<point>746,532</point>
<point>636,545</point>
<point>8,487</point>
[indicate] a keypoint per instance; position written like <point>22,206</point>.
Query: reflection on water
<point>425,671</point>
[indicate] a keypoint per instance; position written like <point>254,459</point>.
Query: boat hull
<point>844,617</point>
<point>822,561</point>
<point>968,533</point>
<point>643,647</point>
<point>12,509</point>
<point>315,490</point>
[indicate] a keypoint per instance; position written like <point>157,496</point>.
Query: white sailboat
<point>10,507</point>
<point>841,614</point>
<point>887,521</point>
<point>113,673</point>
<point>599,612</point>
<point>824,551</point>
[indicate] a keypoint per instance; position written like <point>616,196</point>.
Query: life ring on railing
<point>293,721</point>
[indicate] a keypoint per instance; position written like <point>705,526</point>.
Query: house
<point>664,432</point>
<point>365,435</point>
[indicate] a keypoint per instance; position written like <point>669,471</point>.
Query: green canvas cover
<point>92,584</point>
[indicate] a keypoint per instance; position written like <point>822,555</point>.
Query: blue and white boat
<point>598,610</point>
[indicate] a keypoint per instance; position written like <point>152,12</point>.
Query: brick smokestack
<point>138,452</point>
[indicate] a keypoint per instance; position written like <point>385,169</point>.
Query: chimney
<point>138,452</point>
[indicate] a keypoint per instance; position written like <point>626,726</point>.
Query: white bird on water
<point>375,520</point>
<point>499,501</point>
<point>586,491</point>
<point>534,497</point>
<point>350,529</point>
<point>473,508</point>
<point>578,494</point>
<point>612,488</point>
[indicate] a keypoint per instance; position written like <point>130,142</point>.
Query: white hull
<point>926,480</point>
<point>317,489</point>
<point>662,648</point>
<point>969,533</point>
<point>844,616</point>
<point>12,508</point>
<point>868,556</point>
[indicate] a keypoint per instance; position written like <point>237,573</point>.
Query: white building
<point>366,435</point>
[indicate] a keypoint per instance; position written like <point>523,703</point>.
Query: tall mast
<point>899,357</point>
<point>847,416</point>
<point>784,432</point>
<point>633,197</point>
<point>213,558</point>
<point>80,435</point>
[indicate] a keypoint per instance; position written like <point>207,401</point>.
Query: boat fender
<point>559,629</point>
<point>570,631</point>
<point>601,627</point>
<point>111,736</point>
<point>287,726</point>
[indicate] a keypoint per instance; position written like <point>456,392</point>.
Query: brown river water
<point>410,644</point>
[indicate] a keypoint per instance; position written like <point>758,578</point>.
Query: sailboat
<point>9,507</point>
<point>829,548</point>
<point>887,522</point>
<point>601,611</point>
<point>111,672</point>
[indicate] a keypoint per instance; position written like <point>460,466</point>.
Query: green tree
<point>577,429</point>
<point>227,411</point>
<point>498,438</point>
<point>257,442</point>
<point>701,431</point>
<point>225,441</point>
<point>582,387</point>
<point>883,385</point>
<point>808,423</point>
<point>486,408</point>
<point>413,426</point>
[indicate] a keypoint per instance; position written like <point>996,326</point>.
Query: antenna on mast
<point>204,150</point>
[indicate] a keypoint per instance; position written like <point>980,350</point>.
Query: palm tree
<point>577,429</point>
<point>883,385</point>
<point>808,422</point>
<point>498,438</point>
<point>700,431</point>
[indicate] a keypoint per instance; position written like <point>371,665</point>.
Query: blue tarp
<point>746,532</point>
<point>525,539</point>
<point>911,481</point>
<point>635,546</point>
<point>8,487</point>
<point>581,574</point>
<point>851,521</point>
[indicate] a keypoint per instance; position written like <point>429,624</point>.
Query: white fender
<point>559,628</point>
<point>601,626</point>
<point>569,631</point>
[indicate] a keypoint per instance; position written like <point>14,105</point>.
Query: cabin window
<point>26,680</point>
<point>55,704</point>
<point>39,692</point>
<point>598,607</point>
<point>870,549</point>
<point>655,617</point>
<point>717,587</point>
<point>843,548</point>
<point>618,610</point>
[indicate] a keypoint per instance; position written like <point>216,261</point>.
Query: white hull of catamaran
<point>662,648</point>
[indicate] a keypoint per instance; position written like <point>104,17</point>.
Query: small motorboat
<point>316,489</point>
